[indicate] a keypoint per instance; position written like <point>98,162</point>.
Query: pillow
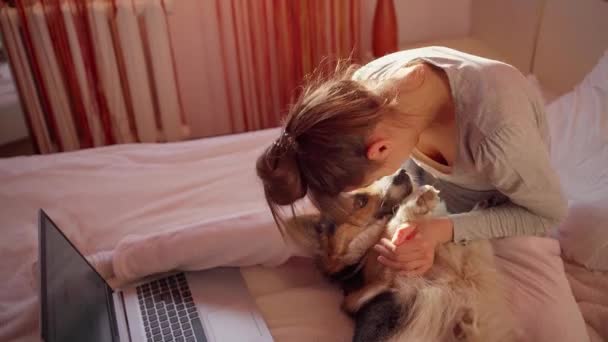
<point>578,125</point>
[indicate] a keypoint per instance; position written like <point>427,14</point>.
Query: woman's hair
<point>322,149</point>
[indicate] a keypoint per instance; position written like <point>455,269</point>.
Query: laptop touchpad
<point>233,325</point>
<point>228,310</point>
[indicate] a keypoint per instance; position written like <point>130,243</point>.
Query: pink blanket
<point>209,188</point>
<point>100,196</point>
<point>591,292</point>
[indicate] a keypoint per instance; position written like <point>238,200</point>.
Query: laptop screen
<point>76,304</point>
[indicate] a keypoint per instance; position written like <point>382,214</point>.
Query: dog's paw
<point>427,200</point>
<point>355,300</point>
<point>349,306</point>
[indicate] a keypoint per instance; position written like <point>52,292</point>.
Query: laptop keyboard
<point>169,312</point>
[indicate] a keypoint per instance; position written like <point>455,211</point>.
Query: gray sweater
<point>502,148</point>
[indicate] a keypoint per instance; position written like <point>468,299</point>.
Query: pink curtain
<point>247,59</point>
<point>100,72</point>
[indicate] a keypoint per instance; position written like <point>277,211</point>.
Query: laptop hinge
<point>122,324</point>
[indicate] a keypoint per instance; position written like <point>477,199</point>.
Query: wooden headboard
<point>572,36</point>
<point>559,41</point>
<point>509,28</point>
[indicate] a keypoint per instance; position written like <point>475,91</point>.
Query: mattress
<point>99,196</point>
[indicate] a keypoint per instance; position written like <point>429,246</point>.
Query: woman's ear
<point>379,150</point>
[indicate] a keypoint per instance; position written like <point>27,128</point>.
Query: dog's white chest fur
<point>425,202</point>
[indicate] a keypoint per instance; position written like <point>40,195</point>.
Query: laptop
<point>76,303</point>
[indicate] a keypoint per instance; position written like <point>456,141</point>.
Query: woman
<point>473,127</point>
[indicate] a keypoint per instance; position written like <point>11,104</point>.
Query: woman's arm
<point>516,161</point>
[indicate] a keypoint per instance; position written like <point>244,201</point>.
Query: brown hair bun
<point>280,174</point>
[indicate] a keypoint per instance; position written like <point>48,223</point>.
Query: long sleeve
<point>515,160</point>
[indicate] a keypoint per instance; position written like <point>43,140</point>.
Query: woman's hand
<point>412,250</point>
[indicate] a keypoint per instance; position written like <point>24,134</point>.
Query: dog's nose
<point>401,177</point>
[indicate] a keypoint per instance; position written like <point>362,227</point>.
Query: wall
<point>12,122</point>
<point>421,20</point>
<point>491,22</point>
<point>195,38</point>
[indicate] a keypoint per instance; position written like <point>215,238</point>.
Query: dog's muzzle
<point>401,177</point>
<point>400,187</point>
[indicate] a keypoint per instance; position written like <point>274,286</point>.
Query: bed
<point>106,198</point>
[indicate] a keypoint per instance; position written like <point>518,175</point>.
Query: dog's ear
<point>302,231</point>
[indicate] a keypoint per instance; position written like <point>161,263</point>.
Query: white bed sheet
<point>99,196</point>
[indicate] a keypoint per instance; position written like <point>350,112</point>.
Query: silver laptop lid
<point>75,301</point>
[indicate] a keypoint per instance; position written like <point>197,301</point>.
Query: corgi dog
<point>458,299</point>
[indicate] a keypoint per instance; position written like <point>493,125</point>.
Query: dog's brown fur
<point>459,298</point>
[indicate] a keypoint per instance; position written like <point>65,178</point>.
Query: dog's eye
<point>360,201</point>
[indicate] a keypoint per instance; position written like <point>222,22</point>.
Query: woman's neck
<point>437,128</point>
<point>441,108</point>
<point>430,104</point>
